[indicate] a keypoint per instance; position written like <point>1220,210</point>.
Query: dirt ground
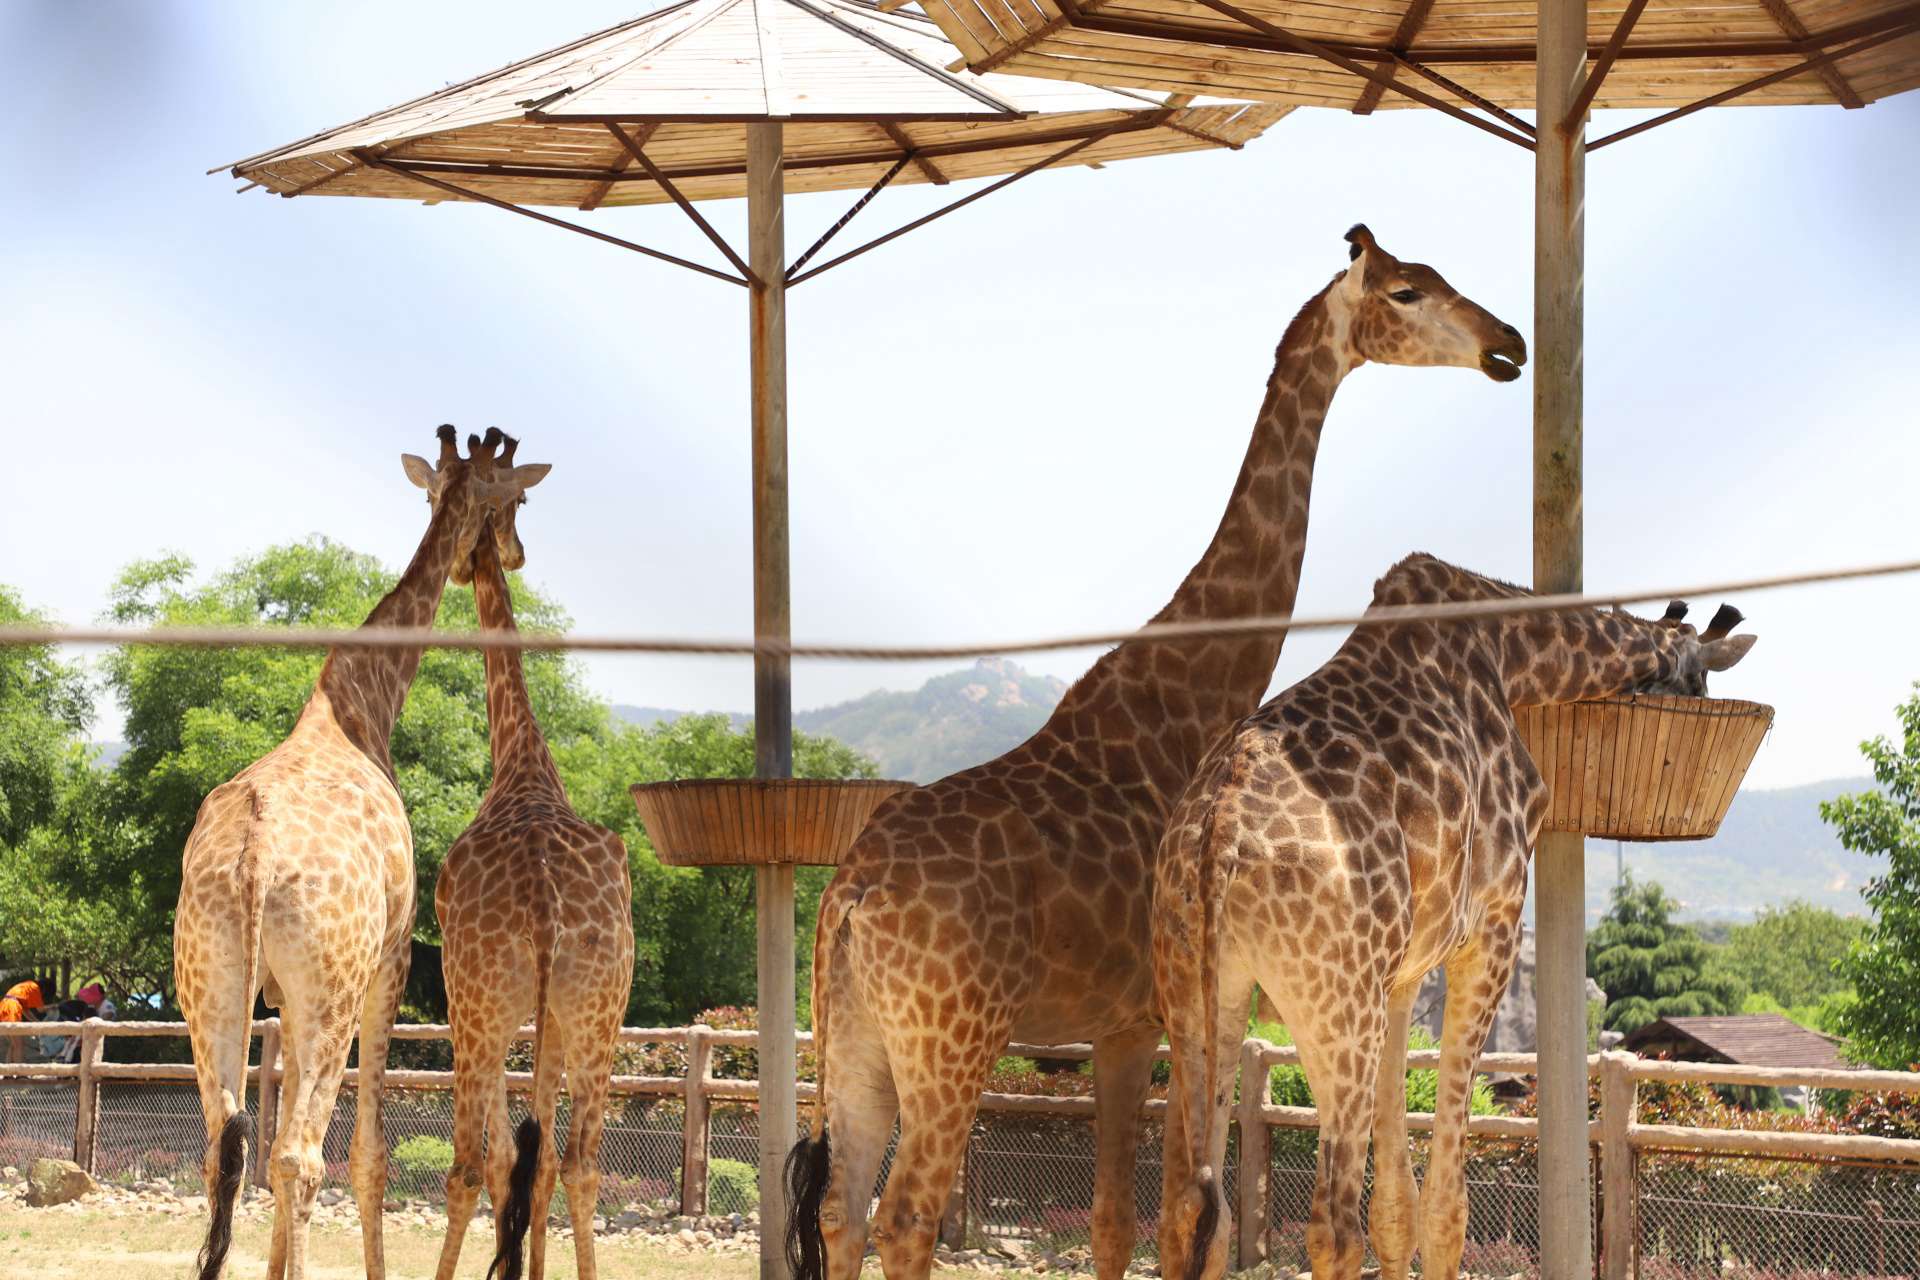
<point>82,1244</point>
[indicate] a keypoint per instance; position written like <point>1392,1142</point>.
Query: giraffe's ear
<point>1718,655</point>
<point>531,474</point>
<point>1360,239</point>
<point>419,470</point>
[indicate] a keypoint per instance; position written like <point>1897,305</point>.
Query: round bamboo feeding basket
<point>710,822</point>
<point>1649,766</point>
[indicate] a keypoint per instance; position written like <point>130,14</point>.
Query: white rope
<point>1160,632</point>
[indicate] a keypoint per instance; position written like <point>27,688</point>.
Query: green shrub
<point>1011,1066</point>
<point>423,1153</point>
<point>732,1187</point>
<point>1290,1087</point>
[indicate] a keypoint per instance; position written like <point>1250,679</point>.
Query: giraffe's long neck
<point>520,753</point>
<point>365,688</point>
<point>1536,658</point>
<point>1582,653</point>
<point>1180,697</point>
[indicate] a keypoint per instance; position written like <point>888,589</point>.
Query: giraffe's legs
<point>861,1107</point>
<point>218,1013</point>
<point>938,1099</point>
<point>1394,1213</point>
<point>1476,981</point>
<point>589,1050</point>
<point>1199,1101</point>
<point>367,1156</point>
<point>547,1074</point>
<point>298,1167</point>
<point>478,1086</point>
<point>291,1087</point>
<point>1122,1070</point>
<point>1340,1034</point>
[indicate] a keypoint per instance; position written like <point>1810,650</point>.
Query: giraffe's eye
<point>1405,295</point>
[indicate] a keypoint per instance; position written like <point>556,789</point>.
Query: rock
<point>332,1196</point>
<point>686,1237</point>
<point>51,1182</point>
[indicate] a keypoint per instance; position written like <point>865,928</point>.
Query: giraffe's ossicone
<point>1011,899</point>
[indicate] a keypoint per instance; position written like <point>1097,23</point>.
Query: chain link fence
<point>1801,1209</point>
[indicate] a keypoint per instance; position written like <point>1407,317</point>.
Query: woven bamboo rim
<point>1643,767</point>
<point>720,822</point>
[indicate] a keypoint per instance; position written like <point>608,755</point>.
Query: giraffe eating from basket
<point>1364,826</point>
<point>1692,681</point>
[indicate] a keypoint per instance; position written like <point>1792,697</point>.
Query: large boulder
<point>57,1182</point>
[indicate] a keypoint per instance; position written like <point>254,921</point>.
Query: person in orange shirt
<point>22,1001</point>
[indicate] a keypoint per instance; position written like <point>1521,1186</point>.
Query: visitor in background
<point>21,1003</point>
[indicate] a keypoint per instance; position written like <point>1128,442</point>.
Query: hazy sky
<point>1023,419</point>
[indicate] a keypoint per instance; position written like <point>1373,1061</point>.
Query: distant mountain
<point>1772,846</point>
<point>950,722</point>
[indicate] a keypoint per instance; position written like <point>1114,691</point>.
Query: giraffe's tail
<point>810,1163</point>
<point>529,1140</point>
<point>235,1131</point>
<point>1199,1094</point>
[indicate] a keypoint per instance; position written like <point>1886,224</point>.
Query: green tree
<point>1788,953</point>
<point>1883,1025</point>
<point>45,707</point>
<point>195,717</point>
<point>1651,967</point>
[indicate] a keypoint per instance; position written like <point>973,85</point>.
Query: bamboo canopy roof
<point>1359,55</point>
<point>865,97</point>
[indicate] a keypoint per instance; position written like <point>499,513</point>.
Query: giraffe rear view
<point>1371,822</point>
<point>1012,899</point>
<point>532,900</point>
<point>297,879</point>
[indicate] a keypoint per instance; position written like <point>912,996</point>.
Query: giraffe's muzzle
<point>1502,361</point>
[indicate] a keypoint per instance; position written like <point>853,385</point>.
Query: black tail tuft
<point>1205,1226</point>
<point>233,1168</point>
<point>808,1165</point>
<point>517,1217</point>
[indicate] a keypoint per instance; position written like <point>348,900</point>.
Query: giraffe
<point>1369,823</point>
<point>528,894</point>
<point>1011,899</point>
<point>297,880</point>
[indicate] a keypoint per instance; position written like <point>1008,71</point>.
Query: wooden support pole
<point>269,1100</point>
<point>1256,1160</point>
<point>693,1131</point>
<point>86,1111</point>
<point>1566,1204</point>
<point>1618,1103</point>
<point>772,684</point>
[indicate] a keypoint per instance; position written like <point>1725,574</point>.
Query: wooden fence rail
<point>1618,1136</point>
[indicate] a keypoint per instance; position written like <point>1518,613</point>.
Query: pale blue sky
<point>1021,420</point>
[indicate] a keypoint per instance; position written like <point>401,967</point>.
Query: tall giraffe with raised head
<point>1372,822</point>
<point>1011,899</point>
<point>531,899</point>
<point>298,880</point>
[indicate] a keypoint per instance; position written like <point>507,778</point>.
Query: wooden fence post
<point>1618,1107</point>
<point>269,1098</point>
<point>86,1109</point>
<point>1256,1158</point>
<point>693,1134</point>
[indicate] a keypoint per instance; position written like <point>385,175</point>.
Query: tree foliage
<point>1651,967</point>
<point>1788,953</point>
<point>97,852</point>
<point>1883,1024</point>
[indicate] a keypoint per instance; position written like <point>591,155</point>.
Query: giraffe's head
<point>1695,654</point>
<point>1405,313</point>
<point>482,492</point>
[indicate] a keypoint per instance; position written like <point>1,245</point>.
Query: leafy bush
<point>1290,1087</point>
<point>732,1187</point>
<point>423,1153</point>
